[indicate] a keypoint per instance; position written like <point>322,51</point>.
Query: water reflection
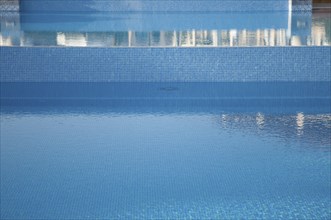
<point>310,129</point>
<point>290,112</point>
<point>300,123</point>
<point>260,120</point>
<point>297,29</point>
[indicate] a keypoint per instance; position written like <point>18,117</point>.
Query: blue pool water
<point>165,150</point>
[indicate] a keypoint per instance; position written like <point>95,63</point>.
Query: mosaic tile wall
<point>165,64</point>
<point>153,5</point>
<point>301,5</point>
<point>9,5</point>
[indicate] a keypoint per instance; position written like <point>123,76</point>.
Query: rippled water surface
<point>181,157</point>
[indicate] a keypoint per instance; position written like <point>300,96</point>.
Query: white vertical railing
<point>289,22</point>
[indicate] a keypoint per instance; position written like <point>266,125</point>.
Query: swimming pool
<point>115,116</point>
<point>165,150</point>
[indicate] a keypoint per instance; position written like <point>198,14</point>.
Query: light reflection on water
<point>307,129</point>
<point>310,129</point>
<point>133,30</point>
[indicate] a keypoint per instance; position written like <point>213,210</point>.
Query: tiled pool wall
<point>49,64</point>
<point>152,5</point>
<point>9,5</point>
<point>301,5</point>
<point>240,64</point>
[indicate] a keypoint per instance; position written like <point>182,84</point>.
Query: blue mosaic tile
<point>9,5</point>
<point>302,5</point>
<point>165,64</point>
